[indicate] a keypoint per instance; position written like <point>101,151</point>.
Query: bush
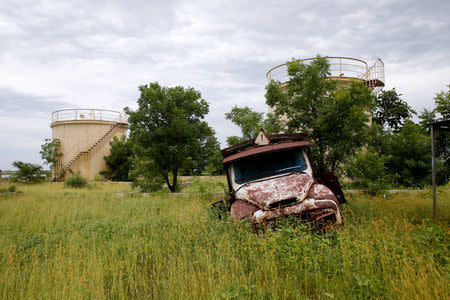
<point>10,189</point>
<point>75,181</point>
<point>28,173</point>
<point>148,184</point>
<point>368,172</point>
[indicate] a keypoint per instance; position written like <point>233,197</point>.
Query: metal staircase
<point>61,172</point>
<point>374,77</point>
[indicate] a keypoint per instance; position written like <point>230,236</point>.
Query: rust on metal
<point>241,209</point>
<point>269,192</point>
<point>265,187</point>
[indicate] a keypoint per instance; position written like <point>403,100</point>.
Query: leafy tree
<point>28,172</point>
<point>426,118</point>
<point>442,101</point>
<point>335,117</point>
<point>197,162</point>
<point>442,142</point>
<point>391,110</point>
<point>215,166</point>
<point>168,128</point>
<point>441,109</point>
<point>50,154</point>
<point>145,175</point>
<point>120,160</point>
<point>410,155</point>
<point>250,122</point>
<point>368,171</point>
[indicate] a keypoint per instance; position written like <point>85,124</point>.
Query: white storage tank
<point>85,135</point>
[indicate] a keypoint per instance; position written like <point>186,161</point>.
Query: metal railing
<point>343,67</point>
<point>85,114</point>
<point>374,76</point>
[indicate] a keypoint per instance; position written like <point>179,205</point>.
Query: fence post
<point>433,172</point>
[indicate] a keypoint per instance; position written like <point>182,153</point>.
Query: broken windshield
<point>269,164</point>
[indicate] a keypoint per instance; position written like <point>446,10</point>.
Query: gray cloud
<point>14,102</point>
<point>57,54</point>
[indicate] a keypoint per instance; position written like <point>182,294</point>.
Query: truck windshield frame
<point>269,164</point>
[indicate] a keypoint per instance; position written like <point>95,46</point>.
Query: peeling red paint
<point>265,193</point>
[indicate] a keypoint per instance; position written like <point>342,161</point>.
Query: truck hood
<point>277,191</point>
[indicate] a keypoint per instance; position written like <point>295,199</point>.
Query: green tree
<point>120,161</point>
<point>28,172</point>
<point>335,117</point>
<point>390,110</point>
<point>145,175</point>
<point>368,171</point>
<point>440,111</point>
<point>250,122</point>
<point>442,101</point>
<point>168,128</point>
<point>426,118</point>
<point>410,155</point>
<point>442,142</point>
<point>197,162</point>
<point>50,153</point>
<point>215,165</point>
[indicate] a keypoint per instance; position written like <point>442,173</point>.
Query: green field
<point>105,242</point>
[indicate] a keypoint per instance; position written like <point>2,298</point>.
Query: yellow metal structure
<point>85,135</point>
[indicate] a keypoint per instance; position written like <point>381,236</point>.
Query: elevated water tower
<point>343,69</point>
<point>85,135</point>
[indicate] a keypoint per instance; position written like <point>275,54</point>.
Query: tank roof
<point>87,114</point>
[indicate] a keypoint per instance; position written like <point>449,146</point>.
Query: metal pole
<point>433,173</point>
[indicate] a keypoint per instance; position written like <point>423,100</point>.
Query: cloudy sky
<point>95,54</point>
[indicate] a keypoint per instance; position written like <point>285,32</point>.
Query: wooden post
<point>433,173</point>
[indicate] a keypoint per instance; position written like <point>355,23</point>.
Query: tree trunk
<point>166,178</point>
<point>174,180</point>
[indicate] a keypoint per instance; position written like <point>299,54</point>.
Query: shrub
<point>10,189</point>
<point>75,181</point>
<point>148,184</point>
<point>368,172</point>
<point>28,172</point>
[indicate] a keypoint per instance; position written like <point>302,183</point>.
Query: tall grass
<point>106,242</point>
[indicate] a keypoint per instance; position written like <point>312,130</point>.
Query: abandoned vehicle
<point>271,177</point>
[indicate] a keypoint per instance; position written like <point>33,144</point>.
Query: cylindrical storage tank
<point>84,136</point>
<point>342,69</point>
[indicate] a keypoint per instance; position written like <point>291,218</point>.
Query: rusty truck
<point>270,177</point>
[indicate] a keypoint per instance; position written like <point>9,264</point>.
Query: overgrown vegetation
<point>75,180</point>
<point>106,243</point>
<point>28,173</point>
<point>368,172</point>
<point>8,191</point>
